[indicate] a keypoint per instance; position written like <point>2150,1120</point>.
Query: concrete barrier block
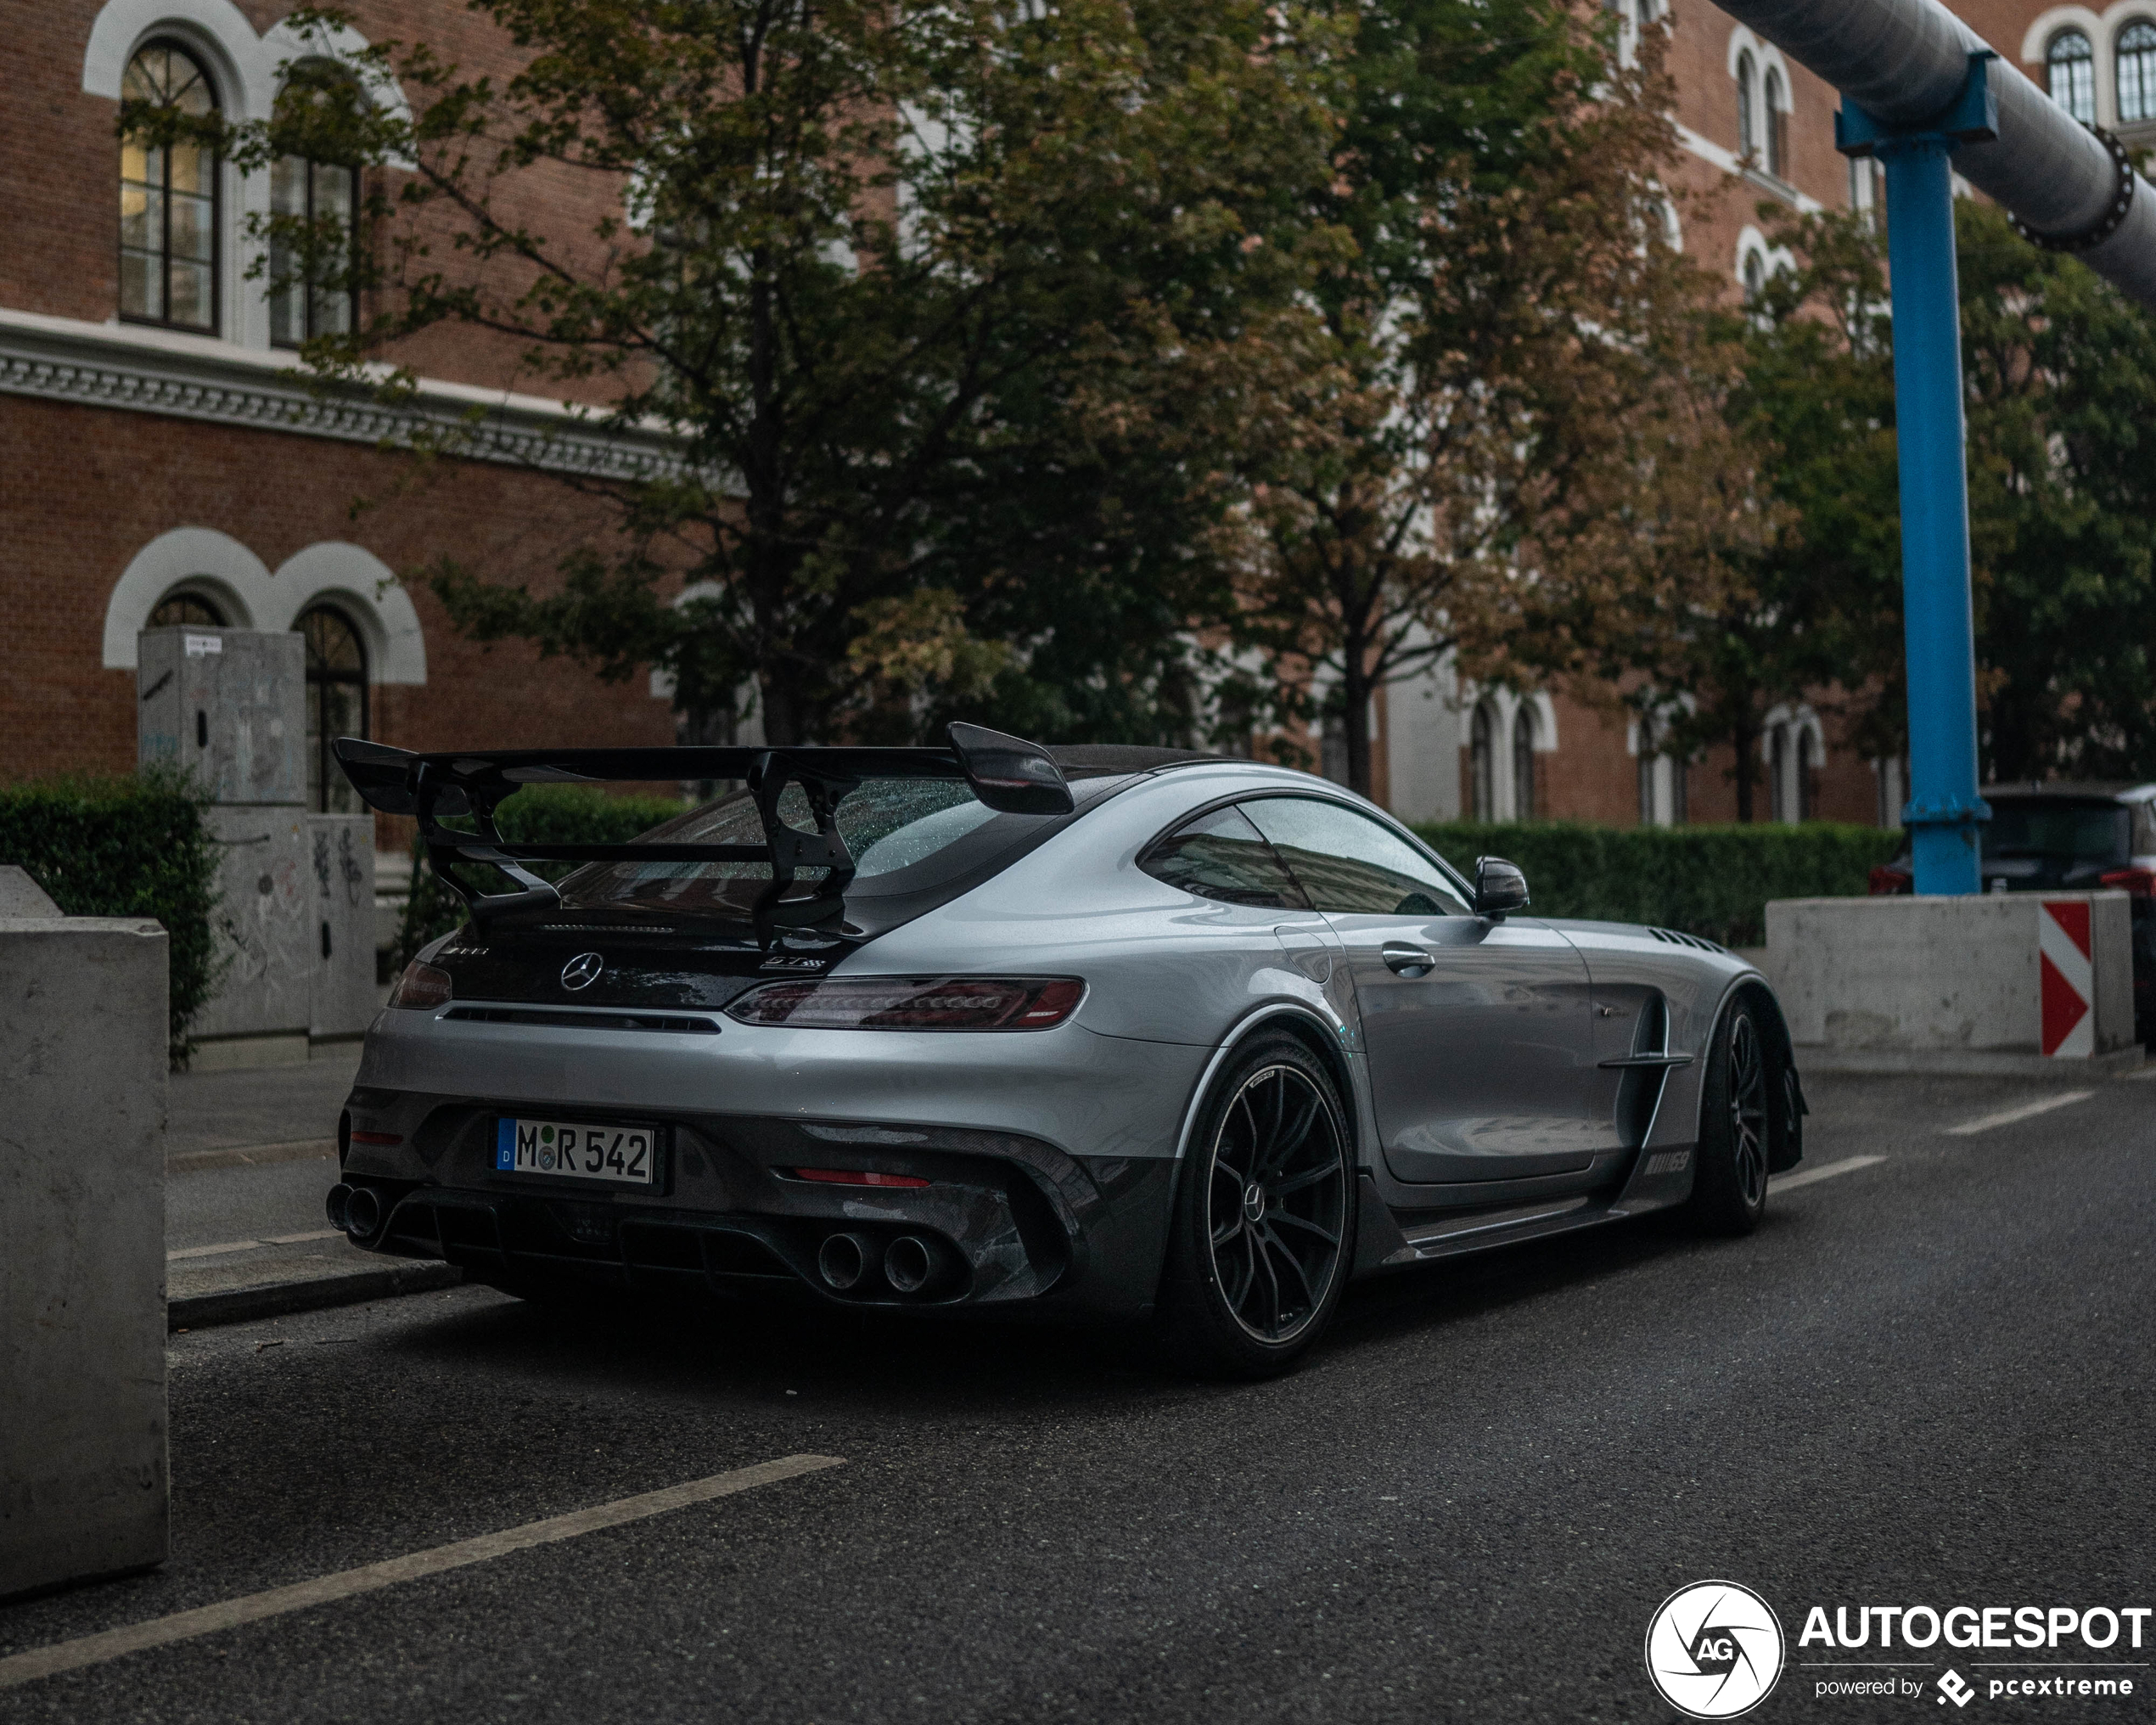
<point>84,1487</point>
<point>1959,983</point>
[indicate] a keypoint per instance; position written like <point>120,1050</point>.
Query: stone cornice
<point>149,371</point>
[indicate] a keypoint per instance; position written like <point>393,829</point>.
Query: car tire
<point>1729,1187</point>
<point>1262,1234</point>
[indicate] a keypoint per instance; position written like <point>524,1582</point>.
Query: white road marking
<point>2028,1111</point>
<point>159,1631</point>
<point>249,1245</point>
<point>237,1245</point>
<point>1848,1165</point>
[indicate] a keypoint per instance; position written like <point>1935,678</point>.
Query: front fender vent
<point>1673,937</point>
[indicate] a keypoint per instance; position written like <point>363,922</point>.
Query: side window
<point>1347,862</point>
<point>1222,855</point>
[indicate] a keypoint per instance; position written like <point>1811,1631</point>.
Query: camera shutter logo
<point>582,971</point>
<point>1714,1649</point>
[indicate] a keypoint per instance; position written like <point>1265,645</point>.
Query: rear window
<point>903,833</point>
<point>2087,832</point>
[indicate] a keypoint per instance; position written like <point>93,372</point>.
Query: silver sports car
<point>1100,1033</point>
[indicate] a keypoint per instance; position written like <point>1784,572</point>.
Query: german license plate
<point>573,1150</point>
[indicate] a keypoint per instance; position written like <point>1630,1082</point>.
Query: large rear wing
<point>1007,773</point>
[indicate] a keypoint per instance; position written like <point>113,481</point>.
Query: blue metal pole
<point>1944,810</point>
<point>1930,437</point>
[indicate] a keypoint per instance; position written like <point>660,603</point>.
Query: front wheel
<point>1263,1226</point>
<point>1729,1191</point>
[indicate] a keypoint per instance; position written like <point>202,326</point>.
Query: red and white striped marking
<point>2067,977</point>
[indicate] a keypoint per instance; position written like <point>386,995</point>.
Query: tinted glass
<point>1347,862</point>
<point>1222,855</point>
<point>2085,832</point>
<point>887,825</point>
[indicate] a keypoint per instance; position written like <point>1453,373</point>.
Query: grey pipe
<point>1904,60</point>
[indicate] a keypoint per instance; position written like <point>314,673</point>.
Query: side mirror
<point>1499,887</point>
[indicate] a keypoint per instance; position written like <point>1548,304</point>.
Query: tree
<point>2060,375</point>
<point>1795,592</point>
<point>1494,377</point>
<point>933,299</point>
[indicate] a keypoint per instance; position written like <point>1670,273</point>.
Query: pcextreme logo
<point>1714,1649</point>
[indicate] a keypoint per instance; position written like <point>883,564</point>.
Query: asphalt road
<point>1926,1380</point>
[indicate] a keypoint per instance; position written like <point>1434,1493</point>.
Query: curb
<point>310,1293</point>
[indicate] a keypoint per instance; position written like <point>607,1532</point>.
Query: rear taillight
<point>913,1004</point>
<point>421,987</point>
<point>1887,879</point>
<point>2140,882</point>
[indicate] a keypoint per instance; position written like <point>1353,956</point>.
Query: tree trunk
<point>1355,721</point>
<point>1743,737</point>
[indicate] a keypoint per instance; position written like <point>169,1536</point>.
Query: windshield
<point>2088,832</point>
<point>888,824</point>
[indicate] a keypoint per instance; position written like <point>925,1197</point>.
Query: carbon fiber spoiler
<point>1007,773</point>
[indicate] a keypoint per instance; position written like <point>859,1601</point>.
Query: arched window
<point>1754,277</point>
<point>168,199</point>
<point>307,299</point>
<point>1807,764</point>
<point>1524,763</point>
<point>2137,72</point>
<point>1778,774</point>
<point>185,611</point>
<point>336,704</point>
<point>1777,127</point>
<point>1482,761</point>
<point>1748,138</point>
<point>2070,65</point>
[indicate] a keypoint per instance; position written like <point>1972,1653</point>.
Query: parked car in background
<point>2077,837</point>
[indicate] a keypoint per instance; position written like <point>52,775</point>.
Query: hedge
<point>1711,881</point>
<point>540,814</point>
<point>126,847</point>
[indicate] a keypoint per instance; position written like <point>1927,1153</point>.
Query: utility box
<point>340,883</point>
<point>227,704</point>
<point>266,927</point>
<point>85,1487</point>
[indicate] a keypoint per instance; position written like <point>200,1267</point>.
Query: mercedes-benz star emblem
<point>582,971</point>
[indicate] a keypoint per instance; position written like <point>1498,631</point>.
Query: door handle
<point>1404,960</point>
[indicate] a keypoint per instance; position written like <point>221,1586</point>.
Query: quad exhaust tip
<point>334,1205</point>
<point>843,1261</point>
<point>911,1264</point>
<point>362,1213</point>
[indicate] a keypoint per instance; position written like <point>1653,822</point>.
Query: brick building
<point>161,468</point>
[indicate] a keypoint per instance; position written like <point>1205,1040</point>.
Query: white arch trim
<point>1764,54</point>
<point>1504,704</point>
<point>365,589</point>
<point>201,559</point>
<point>2102,30</point>
<point>248,67</point>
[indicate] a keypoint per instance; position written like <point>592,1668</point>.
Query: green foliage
<point>940,305</point>
<point>1711,881</point>
<point>126,847</point>
<point>2060,377</point>
<point>539,814</point>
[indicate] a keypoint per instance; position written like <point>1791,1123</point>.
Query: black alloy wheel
<point>1729,1192</point>
<point>1264,1228</point>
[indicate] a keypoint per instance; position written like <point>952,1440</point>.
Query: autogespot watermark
<point>1715,1650</point>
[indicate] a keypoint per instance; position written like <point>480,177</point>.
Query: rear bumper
<point>1014,1223</point>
